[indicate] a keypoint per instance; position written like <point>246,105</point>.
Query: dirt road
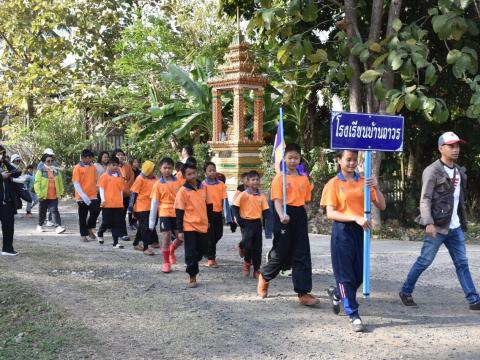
<point>137,312</point>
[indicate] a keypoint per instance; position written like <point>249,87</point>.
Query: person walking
<point>29,181</point>
<point>343,197</point>
<point>49,189</point>
<point>443,213</point>
<point>7,203</point>
<point>84,180</point>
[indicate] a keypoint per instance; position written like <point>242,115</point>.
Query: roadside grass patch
<point>31,328</point>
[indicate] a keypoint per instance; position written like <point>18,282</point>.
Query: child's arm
<point>83,196</point>
<point>153,214</point>
<point>102,196</point>
<point>284,218</point>
<point>179,213</point>
<point>333,214</point>
<point>131,203</point>
<point>379,201</point>
<point>236,213</point>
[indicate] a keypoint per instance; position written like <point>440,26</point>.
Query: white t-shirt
<point>455,222</point>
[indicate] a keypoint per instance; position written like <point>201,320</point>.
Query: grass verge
<point>31,328</point>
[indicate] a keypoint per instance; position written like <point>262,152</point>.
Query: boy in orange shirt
<point>290,240</point>
<point>216,197</point>
<point>84,180</point>
<point>163,198</point>
<point>192,220</point>
<point>248,208</point>
<point>111,185</point>
<point>139,207</point>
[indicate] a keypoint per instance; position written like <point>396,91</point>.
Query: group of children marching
<point>189,212</point>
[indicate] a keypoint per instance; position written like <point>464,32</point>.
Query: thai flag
<point>278,149</point>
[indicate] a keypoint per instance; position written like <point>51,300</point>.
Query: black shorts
<point>168,223</point>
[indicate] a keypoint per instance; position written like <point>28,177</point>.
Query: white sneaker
<point>50,224</point>
<point>118,246</point>
<point>91,234</point>
<point>83,238</point>
<point>59,229</point>
<point>9,253</point>
<point>40,228</point>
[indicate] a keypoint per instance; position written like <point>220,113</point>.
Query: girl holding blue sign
<point>343,198</point>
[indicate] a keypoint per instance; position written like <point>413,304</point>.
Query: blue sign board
<point>358,131</point>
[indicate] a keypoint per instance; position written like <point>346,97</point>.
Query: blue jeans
<point>455,243</point>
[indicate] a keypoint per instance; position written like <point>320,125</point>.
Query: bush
<point>266,168</point>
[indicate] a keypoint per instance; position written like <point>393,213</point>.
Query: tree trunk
<point>355,87</point>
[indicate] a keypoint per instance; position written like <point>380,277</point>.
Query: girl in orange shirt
<point>343,198</point>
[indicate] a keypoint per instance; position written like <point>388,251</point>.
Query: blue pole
<point>284,170</point>
<point>366,233</point>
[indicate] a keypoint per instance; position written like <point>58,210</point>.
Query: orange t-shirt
<point>143,187</point>
<point>251,206</point>
<point>113,187</point>
<point>180,177</point>
<point>299,189</point>
<point>238,192</point>
<point>345,196</point>
<point>51,192</point>
<point>165,192</point>
<point>216,193</point>
<point>86,176</point>
<point>194,204</point>
<point>128,176</point>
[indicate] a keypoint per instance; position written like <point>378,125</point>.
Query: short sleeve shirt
<point>86,176</point>
<point>194,205</point>
<point>251,205</point>
<point>299,189</point>
<point>345,196</point>
<point>143,187</point>
<point>216,193</point>
<point>113,187</point>
<point>165,192</point>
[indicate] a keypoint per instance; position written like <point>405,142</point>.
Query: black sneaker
<point>9,253</point>
<point>407,300</point>
<point>475,307</point>
<point>333,300</point>
<point>356,324</point>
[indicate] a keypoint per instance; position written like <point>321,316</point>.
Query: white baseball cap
<point>450,138</point>
<point>48,151</point>
<point>15,157</point>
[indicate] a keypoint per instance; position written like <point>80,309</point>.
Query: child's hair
<point>207,164</point>
<point>166,160</point>
<point>191,160</point>
<point>178,166</point>
<point>29,167</point>
<point>339,154</point>
<point>45,156</point>
<point>241,188</point>
<point>100,156</point>
<point>243,176</point>
<point>252,174</point>
<point>293,148</point>
<point>116,151</point>
<point>188,165</point>
<point>114,161</point>
<point>221,177</point>
<point>189,150</point>
<point>86,153</point>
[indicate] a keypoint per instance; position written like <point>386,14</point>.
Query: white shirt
<point>455,221</point>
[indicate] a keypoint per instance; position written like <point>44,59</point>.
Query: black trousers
<point>52,206</point>
<point>347,263</point>
<point>291,247</point>
<point>252,242</point>
<point>195,246</point>
<point>144,234</point>
<point>215,233</point>
<point>113,219</point>
<point>7,212</point>
<point>87,216</point>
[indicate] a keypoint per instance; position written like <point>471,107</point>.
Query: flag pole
<point>366,232</point>
<point>284,170</point>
